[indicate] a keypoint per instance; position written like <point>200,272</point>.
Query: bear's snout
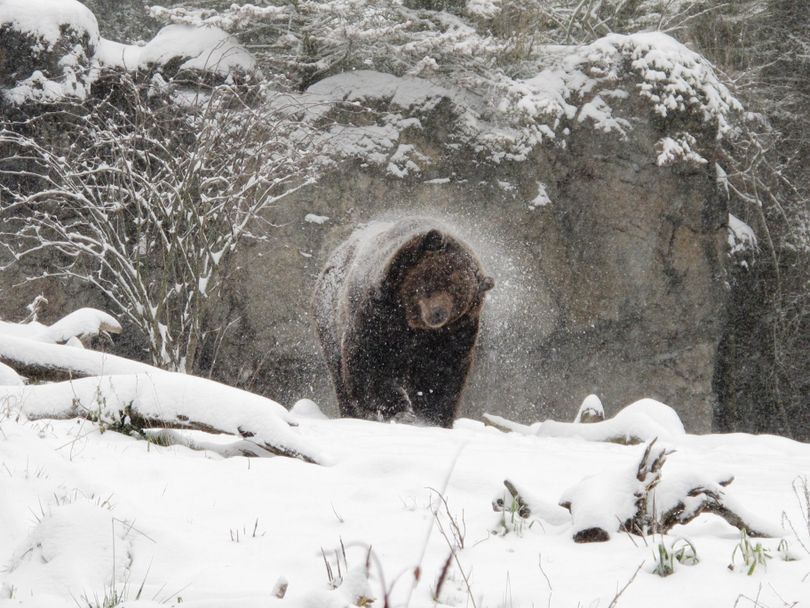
<point>435,311</point>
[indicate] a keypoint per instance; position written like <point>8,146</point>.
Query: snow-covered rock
<point>47,47</point>
<point>51,49</point>
<point>307,408</point>
<point>180,48</point>
<point>588,84</point>
<point>577,86</point>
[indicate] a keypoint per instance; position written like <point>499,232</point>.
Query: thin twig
<point>615,601</point>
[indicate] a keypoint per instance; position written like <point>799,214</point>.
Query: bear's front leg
<point>437,378</point>
<point>436,397</point>
<point>383,399</point>
<point>373,388</point>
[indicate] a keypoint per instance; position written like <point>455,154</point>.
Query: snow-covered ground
<point>84,513</point>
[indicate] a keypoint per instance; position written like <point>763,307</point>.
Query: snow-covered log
<point>82,323</point>
<point>45,361</point>
<point>638,422</point>
<point>22,346</point>
<point>135,402</point>
<point>8,377</point>
<point>639,500</point>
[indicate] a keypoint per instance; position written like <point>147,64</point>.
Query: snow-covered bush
<point>311,39</point>
<point>150,196</point>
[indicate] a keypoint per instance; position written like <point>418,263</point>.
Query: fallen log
<point>136,402</point>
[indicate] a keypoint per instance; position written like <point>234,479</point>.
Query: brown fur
<point>403,343</point>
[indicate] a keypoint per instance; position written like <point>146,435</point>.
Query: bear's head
<point>442,282</point>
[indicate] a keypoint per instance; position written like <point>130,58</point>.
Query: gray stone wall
<point>615,287</point>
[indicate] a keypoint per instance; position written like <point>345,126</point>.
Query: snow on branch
<point>641,500</point>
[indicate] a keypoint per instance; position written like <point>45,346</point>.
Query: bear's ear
<point>486,284</point>
<point>433,240</point>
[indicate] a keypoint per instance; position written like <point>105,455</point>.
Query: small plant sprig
<point>236,537</point>
<point>783,549</point>
<point>681,551</point>
<point>336,578</point>
<point>752,556</point>
<point>515,512</point>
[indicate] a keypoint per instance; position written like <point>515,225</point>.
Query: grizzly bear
<point>397,310</point>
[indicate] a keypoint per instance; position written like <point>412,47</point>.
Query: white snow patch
<point>116,54</point>
<point>208,49</point>
<point>542,199</point>
<point>678,149</point>
<point>8,377</point>
<point>483,8</point>
<point>316,219</point>
<point>307,408</point>
<point>367,85</point>
<point>74,550</point>
<point>741,237</point>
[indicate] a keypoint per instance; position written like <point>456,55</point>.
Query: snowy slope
<point>77,506</point>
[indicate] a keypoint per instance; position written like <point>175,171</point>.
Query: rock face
<point>614,288</point>
<point>608,257</point>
